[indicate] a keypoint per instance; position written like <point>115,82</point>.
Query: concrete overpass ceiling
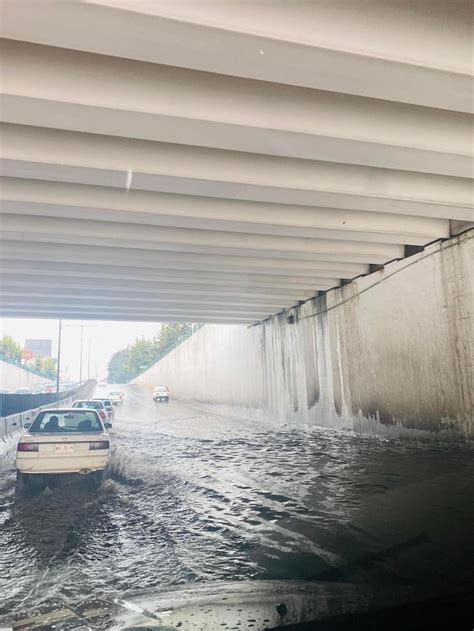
<point>221,162</point>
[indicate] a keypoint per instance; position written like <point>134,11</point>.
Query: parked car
<point>161,394</point>
<point>116,397</point>
<point>5,391</point>
<point>23,391</point>
<point>108,406</point>
<point>93,404</point>
<point>62,441</point>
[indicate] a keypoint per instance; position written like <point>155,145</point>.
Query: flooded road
<point>198,497</point>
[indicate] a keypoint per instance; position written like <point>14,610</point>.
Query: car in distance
<point>93,404</point>
<point>161,394</point>
<point>5,391</point>
<point>108,406</point>
<point>23,391</point>
<point>62,441</point>
<point>116,397</point>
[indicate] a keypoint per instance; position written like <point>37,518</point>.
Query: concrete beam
<point>44,88</point>
<point>52,199</point>
<point>94,282</point>
<point>116,256</point>
<point>30,287</point>
<point>103,234</point>
<point>130,164</point>
<point>291,285</point>
<point>79,314</point>
<point>105,307</point>
<point>223,38</point>
<point>146,300</point>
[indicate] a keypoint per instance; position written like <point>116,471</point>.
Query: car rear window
<point>66,422</point>
<point>106,402</point>
<point>95,405</point>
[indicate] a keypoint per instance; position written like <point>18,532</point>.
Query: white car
<point>62,441</point>
<point>116,397</point>
<point>93,404</point>
<point>23,391</point>
<point>108,406</point>
<point>161,393</point>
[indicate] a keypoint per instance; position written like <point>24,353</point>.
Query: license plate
<point>64,449</point>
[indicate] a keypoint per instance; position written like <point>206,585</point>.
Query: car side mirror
<point>108,426</point>
<point>27,425</point>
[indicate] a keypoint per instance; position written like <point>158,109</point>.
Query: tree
<point>118,367</point>
<point>49,367</point>
<point>10,348</point>
<point>142,353</point>
<point>173,332</point>
<point>129,362</point>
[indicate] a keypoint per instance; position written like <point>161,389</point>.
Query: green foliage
<point>172,332</point>
<point>49,367</point>
<point>127,363</point>
<point>12,352</point>
<point>10,349</point>
<point>46,366</point>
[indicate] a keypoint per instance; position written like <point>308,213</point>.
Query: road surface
<point>196,496</point>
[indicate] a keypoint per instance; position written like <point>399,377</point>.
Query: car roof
<point>63,410</point>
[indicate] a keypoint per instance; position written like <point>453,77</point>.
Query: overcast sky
<point>105,338</point>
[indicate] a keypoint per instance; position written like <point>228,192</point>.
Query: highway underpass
<point>298,178</point>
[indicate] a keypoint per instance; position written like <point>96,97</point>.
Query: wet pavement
<point>195,497</point>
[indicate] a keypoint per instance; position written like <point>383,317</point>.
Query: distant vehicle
<point>62,441</point>
<point>5,391</point>
<point>50,387</point>
<point>161,394</point>
<point>23,391</point>
<point>93,404</point>
<point>116,397</point>
<point>108,406</point>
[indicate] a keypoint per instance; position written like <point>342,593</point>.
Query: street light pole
<point>82,341</point>
<point>59,356</point>
<point>89,361</point>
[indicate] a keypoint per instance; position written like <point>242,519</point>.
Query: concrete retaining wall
<point>13,377</point>
<point>388,353</point>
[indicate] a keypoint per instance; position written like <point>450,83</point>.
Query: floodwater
<point>199,497</point>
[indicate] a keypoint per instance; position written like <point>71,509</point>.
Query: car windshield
<point>67,421</point>
<point>115,394</point>
<point>94,405</point>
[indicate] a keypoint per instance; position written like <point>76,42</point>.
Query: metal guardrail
<point>168,349</point>
<point>11,404</point>
<point>13,423</point>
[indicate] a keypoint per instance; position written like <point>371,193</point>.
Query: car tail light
<point>99,444</point>
<point>27,446</point>
<point>102,414</point>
